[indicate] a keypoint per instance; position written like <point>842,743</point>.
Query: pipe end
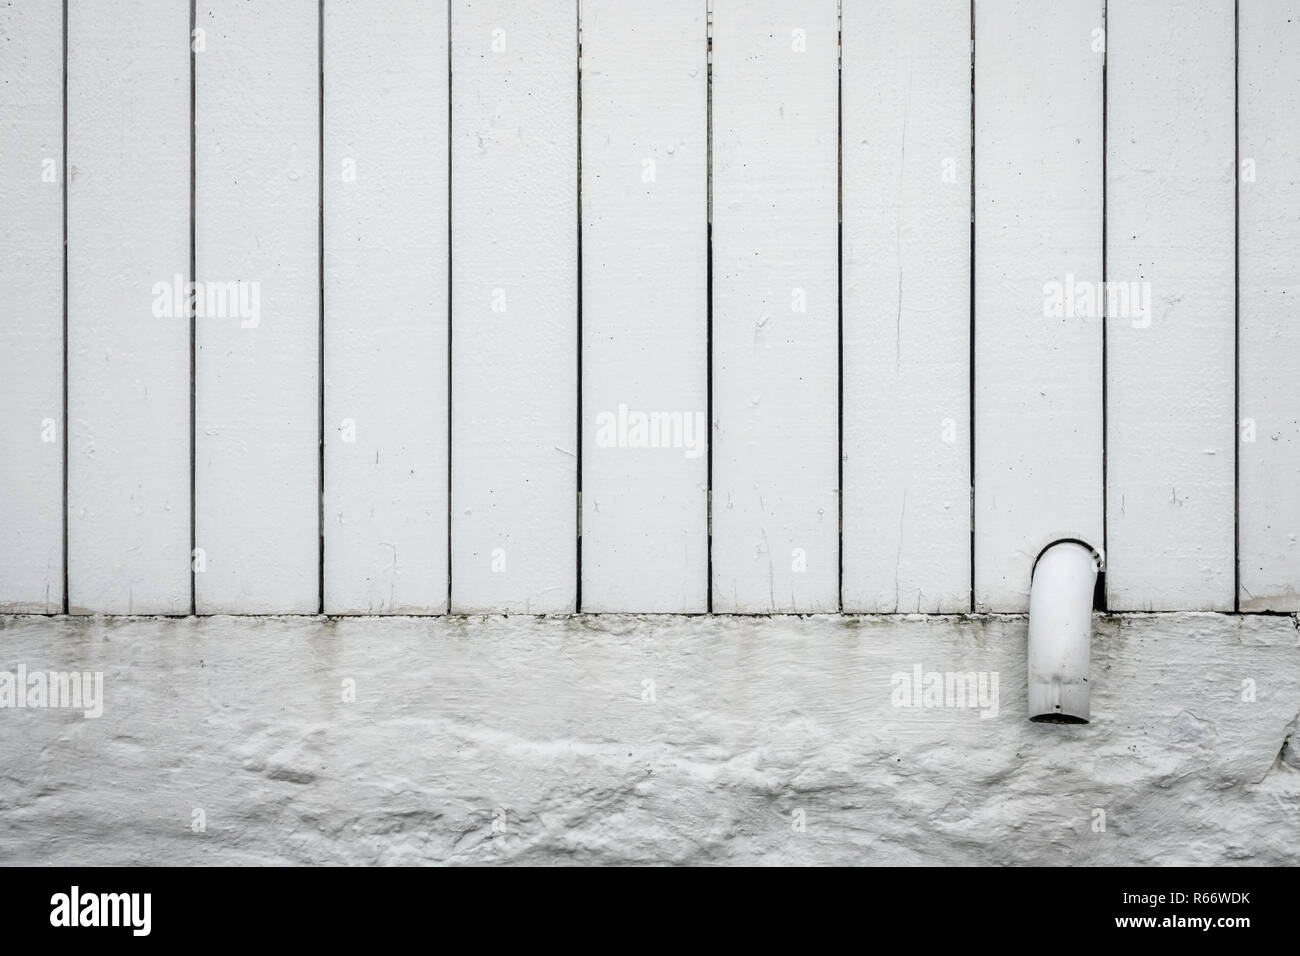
<point>1058,719</point>
<point>1054,700</point>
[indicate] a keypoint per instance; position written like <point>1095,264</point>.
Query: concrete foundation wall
<point>620,739</point>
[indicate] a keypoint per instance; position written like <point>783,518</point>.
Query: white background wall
<point>470,241</point>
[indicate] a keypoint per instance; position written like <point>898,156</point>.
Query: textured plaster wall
<point>618,739</point>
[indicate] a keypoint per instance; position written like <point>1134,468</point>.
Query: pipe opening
<point>1057,719</point>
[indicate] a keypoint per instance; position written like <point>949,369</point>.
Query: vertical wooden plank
<point>906,139</point>
<point>128,317</point>
<point>386,262</point>
<point>257,264</point>
<point>1038,246</point>
<point>514,306</point>
<point>775,306</point>
<point>645,306</point>
<point>31,313</point>
<point>1170,222</point>
<point>1269,270</point>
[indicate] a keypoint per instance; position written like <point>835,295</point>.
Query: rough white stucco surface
<point>538,740</point>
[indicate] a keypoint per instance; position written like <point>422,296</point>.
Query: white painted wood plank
<point>128,319</point>
<point>386,262</point>
<point>1269,362</point>
<point>1038,230</point>
<point>1170,221</point>
<point>514,306</point>
<point>257,224</point>
<point>906,140</point>
<point>645,306</point>
<point>31,309</point>
<point>775,306</point>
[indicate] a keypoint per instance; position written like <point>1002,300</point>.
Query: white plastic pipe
<point>1060,633</point>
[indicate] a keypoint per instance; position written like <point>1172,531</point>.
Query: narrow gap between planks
<point>970,361</point>
<point>1236,307</point>
<point>320,264</point>
<point>450,370</point>
<point>708,282</point>
<point>839,292</point>
<point>577,596</point>
<point>1105,317</point>
<point>192,310</point>
<point>65,309</point>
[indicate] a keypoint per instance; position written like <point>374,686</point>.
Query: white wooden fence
<point>742,306</point>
